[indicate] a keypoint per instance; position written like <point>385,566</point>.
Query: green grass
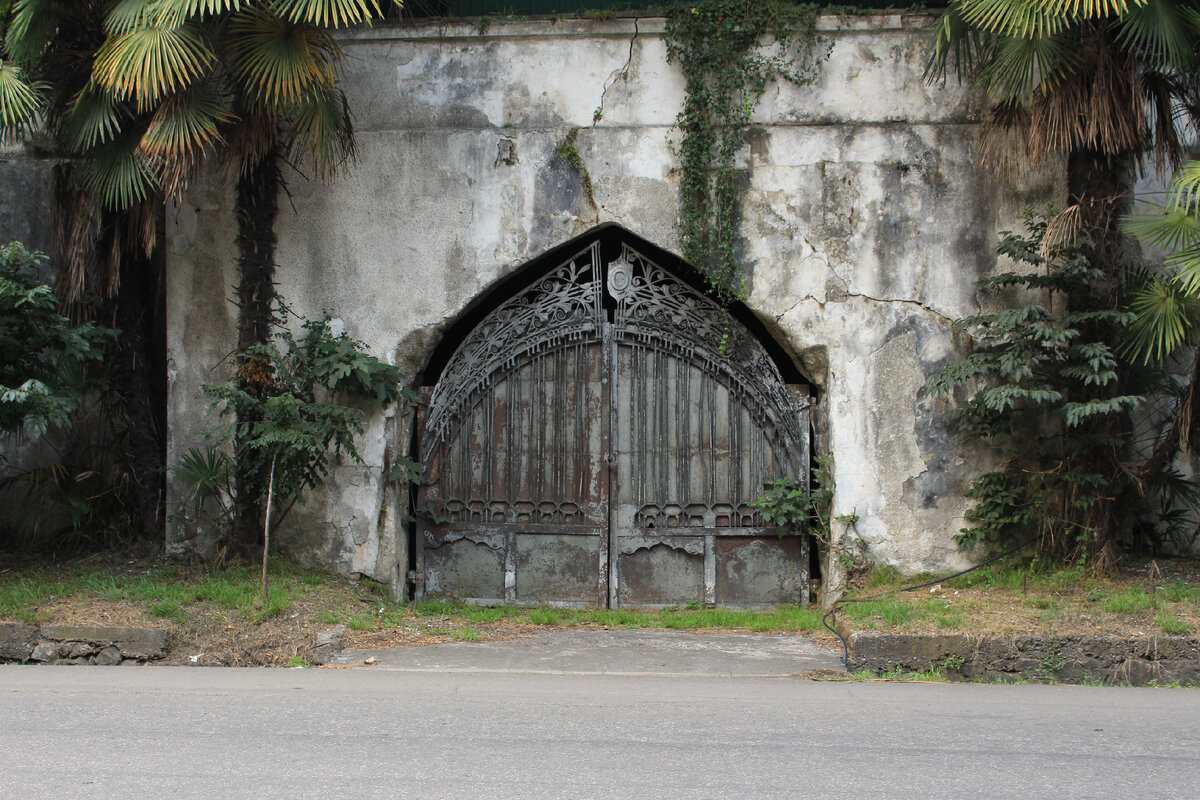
<point>1129,601</point>
<point>1172,625</point>
<point>166,591</point>
<point>692,617</point>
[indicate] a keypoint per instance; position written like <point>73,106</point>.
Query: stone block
<point>144,644</point>
<point>16,641</point>
<point>45,652</point>
<point>109,656</point>
<point>79,649</point>
<point>329,644</point>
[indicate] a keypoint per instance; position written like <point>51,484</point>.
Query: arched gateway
<point>591,442</point>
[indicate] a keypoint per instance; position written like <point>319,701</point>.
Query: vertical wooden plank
<point>610,549</point>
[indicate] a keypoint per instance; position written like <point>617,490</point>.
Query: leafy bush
<point>1042,386</point>
<point>41,351</point>
<point>289,408</point>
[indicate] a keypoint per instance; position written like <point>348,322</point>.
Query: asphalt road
<point>178,732</point>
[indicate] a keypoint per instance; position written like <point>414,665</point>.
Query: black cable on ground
<point>833,609</point>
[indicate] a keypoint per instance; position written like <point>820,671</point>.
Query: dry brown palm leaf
<point>1065,227</point>
<point>1004,141</point>
<point>75,221</point>
<point>1115,103</point>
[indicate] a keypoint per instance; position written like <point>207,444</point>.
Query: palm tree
<point>1103,83</point>
<point>167,84</point>
<point>1166,305</point>
<point>1107,85</point>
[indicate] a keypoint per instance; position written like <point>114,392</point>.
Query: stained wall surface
<point>864,226</point>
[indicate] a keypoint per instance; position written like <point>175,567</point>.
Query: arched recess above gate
<point>596,437</point>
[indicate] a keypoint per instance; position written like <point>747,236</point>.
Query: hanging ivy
<point>725,50</point>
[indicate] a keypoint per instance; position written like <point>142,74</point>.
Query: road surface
<point>180,732</point>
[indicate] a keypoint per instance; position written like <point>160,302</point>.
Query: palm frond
<point>1020,67</point>
<point>1092,9</point>
<point>278,63</point>
<point>953,40</point>
<point>1161,32</point>
<point>150,62</point>
<point>186,122</point>
<point>322,128</point>
<point>328,13</point>
<point>1023,19</point>
<point>1173,229</point>
<point>119,174</point>
<point>1162,319</point>
<point>31,26</point>
<point>93,118</point>
<point>127,15</point>
<point>182,129</point>
<point>20,102</point>
<point>1184,190</point>
<point>176,12</point>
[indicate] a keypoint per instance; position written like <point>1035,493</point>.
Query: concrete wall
<point>864,227</point>
<point>26,194</point>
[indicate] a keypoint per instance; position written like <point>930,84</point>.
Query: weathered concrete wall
<point>864,229</point>
<point>26,191</point>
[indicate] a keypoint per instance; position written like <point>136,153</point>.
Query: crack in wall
<point>616,75</point>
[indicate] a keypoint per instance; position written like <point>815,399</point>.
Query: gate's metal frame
<point>654,314</point>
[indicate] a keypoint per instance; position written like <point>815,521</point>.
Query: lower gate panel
<point>464,568</point>
<point>558,569</point>
<point>661,575</point>
<point>761,572</point>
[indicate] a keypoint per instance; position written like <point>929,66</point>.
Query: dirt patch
<point>1146,597</point>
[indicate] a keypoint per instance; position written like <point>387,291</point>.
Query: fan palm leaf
<point>128,15</point>
<point>1163,33</point>
<point>322,127</point>
<point>1024,19</point>
<point>1162,323</point>
<point>20,102</point>
<point>31,26</point>
<point>186,122</point>
<point>1091,9</point>
<point>119,174</point>
<point>176,12</point>
<point>277,63</point>
<point>93,118</point>
<point>1020,67</point>
<point>328,13</point>
<point>150,62</point>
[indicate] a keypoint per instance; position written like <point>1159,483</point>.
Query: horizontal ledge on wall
<point>571,27</point>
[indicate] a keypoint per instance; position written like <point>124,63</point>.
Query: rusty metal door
<point>592,443</point>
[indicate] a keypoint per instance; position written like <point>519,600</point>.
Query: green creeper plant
<point>720,45</point>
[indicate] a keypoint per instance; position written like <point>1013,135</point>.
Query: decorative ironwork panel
<point>563,307</point>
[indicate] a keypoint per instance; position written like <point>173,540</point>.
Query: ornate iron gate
<point>591,443</point>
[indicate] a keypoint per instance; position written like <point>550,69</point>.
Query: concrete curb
<point>1138,661</point>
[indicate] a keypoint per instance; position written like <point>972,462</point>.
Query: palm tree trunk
<point>256,208</point>
<point>141,375</point>
<point>1100,185</point>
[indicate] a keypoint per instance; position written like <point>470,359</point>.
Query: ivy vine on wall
<point>729,51</point>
